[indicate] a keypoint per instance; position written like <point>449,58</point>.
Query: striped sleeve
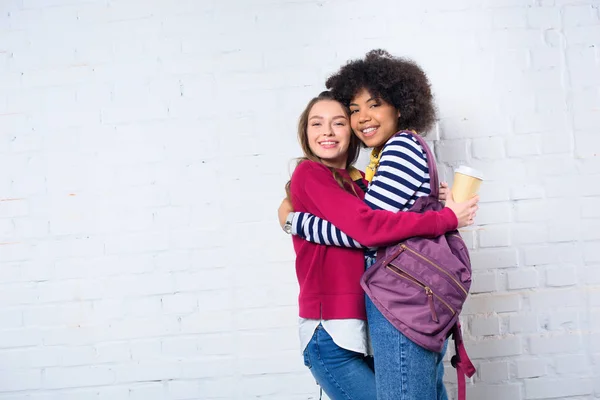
<point>317,230</point>
<point>401,178</point>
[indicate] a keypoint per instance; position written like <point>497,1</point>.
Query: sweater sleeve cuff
<point>449,222</point>
<point>297,222</point>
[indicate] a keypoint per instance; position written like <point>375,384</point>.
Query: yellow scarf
<point>373,164</point>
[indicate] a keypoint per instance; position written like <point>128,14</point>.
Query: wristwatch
<point>288,223</point>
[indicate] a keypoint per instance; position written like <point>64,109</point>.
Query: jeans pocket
<point>307,359</point>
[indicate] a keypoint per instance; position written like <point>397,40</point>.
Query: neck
<point>380,147</point>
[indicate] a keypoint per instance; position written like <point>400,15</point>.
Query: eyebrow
<point>375,98</point>
<point>319,117</point>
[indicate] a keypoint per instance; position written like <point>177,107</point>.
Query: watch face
<point>287,228</point>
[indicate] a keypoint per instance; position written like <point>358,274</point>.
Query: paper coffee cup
<point>466,183</point>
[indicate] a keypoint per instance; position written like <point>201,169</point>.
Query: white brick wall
<point>144,145</point>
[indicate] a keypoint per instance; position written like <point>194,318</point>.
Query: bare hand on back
<point>284,209</point>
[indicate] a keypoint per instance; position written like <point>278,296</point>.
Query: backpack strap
<point>460,361</point>
<point>357,177</point>
<point>433,175</point>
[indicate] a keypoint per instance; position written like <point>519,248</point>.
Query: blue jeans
<point>403,369</point>
<point>343,374</point>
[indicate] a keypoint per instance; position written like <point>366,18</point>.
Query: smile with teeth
<point>328,144</point>
<point>370,131</point>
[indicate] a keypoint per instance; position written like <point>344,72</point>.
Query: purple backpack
<point>421,284</point>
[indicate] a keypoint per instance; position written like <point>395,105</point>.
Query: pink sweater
<point>329,276</point>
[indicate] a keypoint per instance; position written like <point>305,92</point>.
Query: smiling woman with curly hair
<point>390,101</point>
<point>400,82</point>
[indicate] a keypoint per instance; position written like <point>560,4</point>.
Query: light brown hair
<point>353,148</point>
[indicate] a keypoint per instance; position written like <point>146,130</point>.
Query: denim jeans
<point>341,373</point>
<point>403,369</point>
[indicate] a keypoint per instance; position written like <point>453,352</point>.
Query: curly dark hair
<point>398,81</point>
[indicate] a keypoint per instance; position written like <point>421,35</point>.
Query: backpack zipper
<point>428,291</point>
<point>405,247</point>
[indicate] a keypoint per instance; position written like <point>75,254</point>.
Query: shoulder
<point>403,140</point>
<point>308,173</point>
<point>308,167</point>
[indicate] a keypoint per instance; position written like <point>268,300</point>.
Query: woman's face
<point>329,133</point>
<point>373,120</point>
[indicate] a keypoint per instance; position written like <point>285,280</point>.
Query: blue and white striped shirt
<point>402,177</point>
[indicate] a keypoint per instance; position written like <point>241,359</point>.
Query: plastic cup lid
<point>463,169</point>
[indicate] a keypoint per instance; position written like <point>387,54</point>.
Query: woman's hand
<point>284,210</point>
<point>465,212</point>
<point>443,192</point>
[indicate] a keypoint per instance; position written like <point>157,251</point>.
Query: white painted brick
<point>485,326</point>
<point>493,192</point>
<point>551,100</point>
<point>494,392</point>
<point>523,278</point>
<point>580,15</point>
<point>560,252</point>
<point>57,378</point>
<point>488,304</point>
<point>543,17</point>
<point>586,99</point>
<point>535,210</point>
<point>266,318</point>
<point>253,343</point>
<point>531,368</point>
<point>494,372</point>
<point>21,380</point>
<point>494,258</point>
<point>553,298</point>
<point>590,252</point>
<point>563,275</point>
<point>488,148</point>
<point>495,347</point>
<point>145,371</point>
<point>149,391</point>
<point>572,364</point>
<point>557,388</point>
<point>563,320</point>
<point>554,344</point>
<point>494,236</point>
<point>184,390</point>
<point>589,274</point>
<point>113,352</point>
<point>563,231</point>
<point>526,192</point>
<point>543,58</point>
<point>208,367</point>
<point>144,350</point>
<point>179,304</point>
<point>586,144</point>
<point>219,387</point>
<point>581,35</point>
<point>523,145</point>
<point>540,122</point>
<point>224,345</point>
<point>523,323</point>
<point>220,321</point>
<point>528,233</point>
<point>136,243</point>
<point>594,342</point>
<point>484,282</point>
<point>452,150</point>
<point>493,213</point>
